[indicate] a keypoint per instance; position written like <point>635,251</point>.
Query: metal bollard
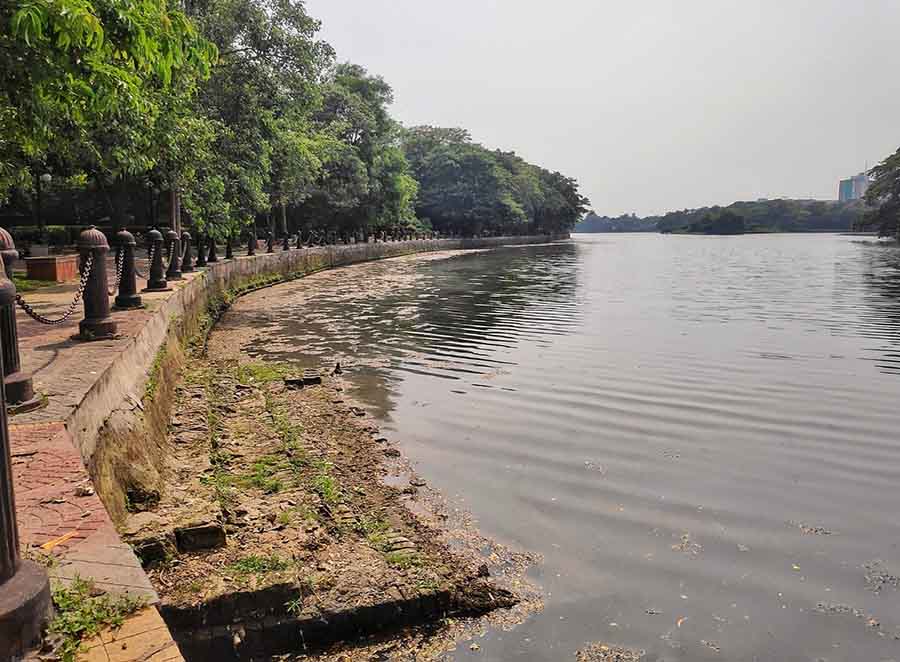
<point>286,242</point>
<point>251,242</point>
<point>25,605</point>
<point>97,323</point>
<point>270,242</point>
<point>156,279</point>
<point>187,265</point>
<point>173,241</point>
<point>229,251</point>
<point>18,385</point>
<point>201,251</point>
<point>212,257</point>
<point>127,296</point>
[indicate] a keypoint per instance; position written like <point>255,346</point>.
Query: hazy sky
<point>652,105</point>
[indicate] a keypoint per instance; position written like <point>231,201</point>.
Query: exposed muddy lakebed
<point>701,436</point>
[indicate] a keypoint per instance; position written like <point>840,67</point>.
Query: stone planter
<point>55,268</point>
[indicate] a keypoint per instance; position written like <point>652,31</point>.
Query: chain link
<point>85,275</point>
<point>120,263</point>
<point>149,262</point>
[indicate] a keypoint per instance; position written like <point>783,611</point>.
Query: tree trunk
<point>175,210</point>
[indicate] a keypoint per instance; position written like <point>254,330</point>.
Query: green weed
<point>80,615</point>
<point>403,560</point>
<point>260,373</point>
<point>259,565</point>
<point>326,485</point>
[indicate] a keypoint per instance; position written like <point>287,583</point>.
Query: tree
<point>883,196</point>
<point>71,65</point>
<point>466,188</point>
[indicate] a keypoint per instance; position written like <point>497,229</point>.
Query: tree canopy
<point>467,188</point>
<point>230,113</point>
<point>747,216</point>
<point>884,197</point>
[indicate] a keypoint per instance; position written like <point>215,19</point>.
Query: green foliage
<point>403,560</point>
<point>81,615</point>
<point>263,474</point>
<point>233,112</point>
<point>465,188</point>
<point>326,485</point>
<point>761,216</point>
<point>28,285</point>
<point>259,565</point>
<point>884,197</point>
<point>260,373</point>
<point>75,69</point>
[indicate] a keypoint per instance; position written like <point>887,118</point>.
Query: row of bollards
<point>94,291</point>
<point>25,604</point>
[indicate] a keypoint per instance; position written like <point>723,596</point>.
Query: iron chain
<point>149,262</point>
<point>31,312</point>
<point>120,263</point>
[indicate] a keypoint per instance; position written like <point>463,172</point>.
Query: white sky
<point>652,105</point>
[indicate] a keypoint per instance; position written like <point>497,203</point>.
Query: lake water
<point>701,435</point>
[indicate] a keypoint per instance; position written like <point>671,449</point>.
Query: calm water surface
<point>700,435</point>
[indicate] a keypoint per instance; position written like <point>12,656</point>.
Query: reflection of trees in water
<point>445,320</point>
<point>881,321</point>
<point>507,295</point>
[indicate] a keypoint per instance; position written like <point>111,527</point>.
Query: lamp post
<point>39,183</point>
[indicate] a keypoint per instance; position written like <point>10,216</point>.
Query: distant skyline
<point>652,106</point>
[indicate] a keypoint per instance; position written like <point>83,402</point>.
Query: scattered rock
<point>483,570</point>
<point>392,452</point>
<point>150,551</point>
<point>417,482</point>
<point>84,491</point>
<point>200,537</point>
<point>311,377</point>
<point>139,522</point>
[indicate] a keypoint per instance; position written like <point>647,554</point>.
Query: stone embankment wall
<point>120,425</point>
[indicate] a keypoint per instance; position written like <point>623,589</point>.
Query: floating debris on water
<point>877,578</point>
<point>688,546</point>
<point>604,653</point>
<point>810,530</point>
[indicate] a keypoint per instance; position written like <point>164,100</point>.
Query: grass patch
<point>263,474</point>
<point>402,560</point>
<point>285,517</point>
<point>29,284</point>
<point>326,485</point>
<point>260,373</point>
<point>155,373</point>
<point>375,530</point>
<point>79,615</point>
<point>259,565</point>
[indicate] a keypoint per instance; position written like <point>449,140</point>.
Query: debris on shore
<point>277,519</point>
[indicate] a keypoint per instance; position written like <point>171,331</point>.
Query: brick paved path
<point>58,512</point>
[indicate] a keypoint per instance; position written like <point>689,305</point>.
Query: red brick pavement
<point>57,508</point>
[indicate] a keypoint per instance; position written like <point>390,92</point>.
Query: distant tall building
<point>853,188</point>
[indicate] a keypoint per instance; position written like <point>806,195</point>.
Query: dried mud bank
<point>283,524</point>
<point>277,531</point>
<point>119,425</point>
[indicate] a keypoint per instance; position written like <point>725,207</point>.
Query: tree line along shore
<point>228,116</point>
